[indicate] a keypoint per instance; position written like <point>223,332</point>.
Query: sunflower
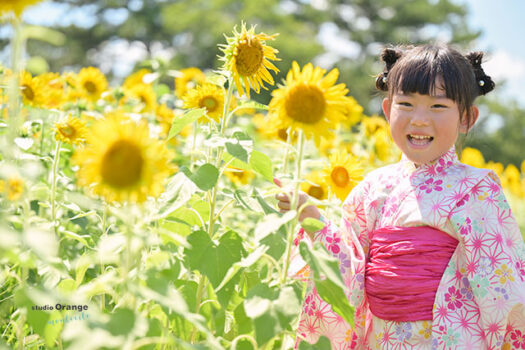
<point>121,162</point>
<point>247,57</point>
<point>354,112</point>
<point>31,89</point>
<point>144,94</point>
<point>209,96</point>
<point>188,79</point>
<point>13,188</point>
<point>53,84</point>
<point>342,174</point>
<point>384,146</point>
<point>473,157</point>
<point>17,6</point>
<point>497,167</point>
<point>310,101</point>
<point>72,131</point>
<point>239,176</point>
<point>265,127</point>
<point>315,186</point>
<point>91,83</point>
<point>136,78</point>
<point>373,124</point>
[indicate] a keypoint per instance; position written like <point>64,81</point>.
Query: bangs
<point>418,73</point>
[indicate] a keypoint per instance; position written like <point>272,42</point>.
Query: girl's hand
<point>285,199</point>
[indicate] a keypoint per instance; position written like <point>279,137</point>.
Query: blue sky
<point>503,40</point>
<point>499,21</point>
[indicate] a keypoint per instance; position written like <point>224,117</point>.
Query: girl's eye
<point>405,104</point>
<point>439,106</point>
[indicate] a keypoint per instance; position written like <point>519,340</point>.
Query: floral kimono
<point>480,299</point>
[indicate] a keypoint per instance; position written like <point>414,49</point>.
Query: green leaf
<point>188,117</point>
<point>205,177</point>
<point>212,259</point>
<point>322,343</point>
<point>236,163</point>
<point>121,322</point>
<point>328,280</point>
<point>262,164</point>
<point>251,104</point>
<point>312,225</point>
<point>271,309</point>
<point>237,151</point>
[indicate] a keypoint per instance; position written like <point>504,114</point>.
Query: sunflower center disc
<point>249,57</point>
<point>209,102</point>
<point>305,104</point>
<point>316,192</point>
<point>122,164</point>
<point>90,87</point>
<point>67,130</point>
<point>28,92</point>
<point>340,176</point>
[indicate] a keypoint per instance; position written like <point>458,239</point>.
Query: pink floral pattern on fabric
<point>480,302</point>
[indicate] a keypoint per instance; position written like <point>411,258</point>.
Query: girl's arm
<point>494,247</point>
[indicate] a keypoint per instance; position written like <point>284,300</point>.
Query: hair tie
<point>485,83</point>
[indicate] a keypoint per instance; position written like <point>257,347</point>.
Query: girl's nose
<point>420,118</point>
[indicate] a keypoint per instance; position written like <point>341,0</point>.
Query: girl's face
<point>425,127</point>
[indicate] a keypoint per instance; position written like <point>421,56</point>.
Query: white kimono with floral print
<point>480,302</point>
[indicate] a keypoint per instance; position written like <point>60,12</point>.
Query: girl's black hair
<point>414,70</point>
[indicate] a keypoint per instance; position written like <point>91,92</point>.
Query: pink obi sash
<point>404,269</point>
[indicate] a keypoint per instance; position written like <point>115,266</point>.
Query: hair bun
<point>390,57</point>
<point>484,82</point>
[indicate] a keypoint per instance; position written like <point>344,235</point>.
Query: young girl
<point>429,249</point>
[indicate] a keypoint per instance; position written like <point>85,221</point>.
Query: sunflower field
<point>142,216</point>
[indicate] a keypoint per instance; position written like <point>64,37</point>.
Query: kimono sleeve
<point>495,256</point>
<point>317,317</point>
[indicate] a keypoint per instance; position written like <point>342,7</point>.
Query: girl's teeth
<point>420,139</point>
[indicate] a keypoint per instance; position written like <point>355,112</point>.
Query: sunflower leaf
<point>205,177</point>
<point>262,164</point>
<point>327,278</point>
<point>312,225</point>
<point>188,117</point>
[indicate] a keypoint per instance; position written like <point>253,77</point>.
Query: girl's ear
<point>464,127</point>
<point>387,104</point>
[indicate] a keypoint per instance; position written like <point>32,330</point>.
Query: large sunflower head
<point>187,79</point>
<point>15,6</point>
<point>71,130</point>
<point>311,101</point>
<point>91,83</point>
<point>209,96</point>
<point>343,173</point>
<point>121,162</point>
<point>247,58</point>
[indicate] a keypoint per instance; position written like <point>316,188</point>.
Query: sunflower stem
<point>295,198</point>
<point>285,161</point>
<point>104,234</point>
<point>226,108</point>
<point>14,123</point>
<point>193,144</point>
<point>56,161</point>
<point>200,293</point>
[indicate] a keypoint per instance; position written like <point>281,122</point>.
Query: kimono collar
<point>447,159</point>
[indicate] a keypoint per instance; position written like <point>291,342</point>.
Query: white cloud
<point>503,67</point>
